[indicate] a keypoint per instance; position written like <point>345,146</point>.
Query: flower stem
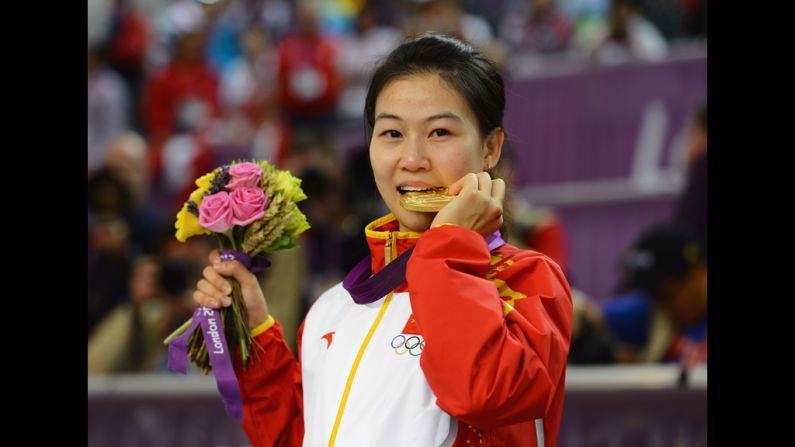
<point>179,331</point>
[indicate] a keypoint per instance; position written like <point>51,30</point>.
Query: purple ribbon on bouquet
<point>254,264</point>
<point>214,338</point>
<point>217,348</point>
<point>366,289</point>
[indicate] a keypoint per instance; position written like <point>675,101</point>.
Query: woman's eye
<point>391,134</point>
<point>439,133</point>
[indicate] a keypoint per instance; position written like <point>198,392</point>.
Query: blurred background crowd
<point>178,87</point>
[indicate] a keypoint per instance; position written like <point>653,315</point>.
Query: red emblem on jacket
<point>411,326</point>
<point>328,337</point>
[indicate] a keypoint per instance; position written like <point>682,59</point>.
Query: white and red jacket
<point>471,350</point>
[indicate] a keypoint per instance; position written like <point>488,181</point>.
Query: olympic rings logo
<point>414,345</point>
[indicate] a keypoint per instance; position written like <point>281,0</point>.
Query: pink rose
<point>215,212</point>
<point>248,205</point>
<point>244,175</point>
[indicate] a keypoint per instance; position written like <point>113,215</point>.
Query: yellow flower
<point>204,182</point>
<point>187,225</point>
<point>290,186</point>
<point>197,196</point>
<point>297,223</point>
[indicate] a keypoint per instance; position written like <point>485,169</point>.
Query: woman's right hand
<point>214,291</point>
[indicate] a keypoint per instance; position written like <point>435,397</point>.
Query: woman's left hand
<point>477,205</point>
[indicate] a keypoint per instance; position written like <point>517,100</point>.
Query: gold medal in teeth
<point>427,201</point>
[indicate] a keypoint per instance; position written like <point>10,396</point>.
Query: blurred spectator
<point>695,17</point>
<point>592,342</point>
<point>127,160</point>
<point>283,283</point>
<point>338,17</point>
<point>537,26</point>
<point>109,261</point>
<point>183,95</point>
<point>309,83</point>
<point>186,155</point>
<point>359,53</point>
<point>627,35</point>
<point>99,21</point>
<point>276,16</point>
<point>225,22</point>
<point>447,17</point>
<point>248,82</point>
<point>253,126</point>
<point>363,204</point>
<point>272,138</point>
<point>691,208</point>
<point>130,338</point>
<point>128,44</point>
<point>539,229</point>
<point>107,106</point>
<point>668,16</point>
<point>195,250</point>
<point>661,315</point>
<point>110,250</point>
<point>321,180</point>
<point>108,195</point>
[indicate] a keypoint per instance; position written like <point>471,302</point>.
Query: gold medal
<point>426,201</point>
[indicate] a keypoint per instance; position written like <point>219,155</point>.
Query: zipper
<point>388,248</point>
<point>354,368</point>
<point>391,241</point>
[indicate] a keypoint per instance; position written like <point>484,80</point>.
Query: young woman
<point>461,341</point>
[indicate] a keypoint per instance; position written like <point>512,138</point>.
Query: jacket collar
<point>385,240</point>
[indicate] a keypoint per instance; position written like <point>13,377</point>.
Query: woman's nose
<point>414,157</point>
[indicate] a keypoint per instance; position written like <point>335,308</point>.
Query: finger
<point>202,299</point>
<point>456,187</point>
<point>236,270</point>
<point>216,294</point>
<point>211,275</point>
<point>471,182</point>
<point>498,189</point>
<point>466,183</point>
<point>215,256</point>
<point>484,183</point>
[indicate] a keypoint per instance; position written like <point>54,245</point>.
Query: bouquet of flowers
<point>250,208</point>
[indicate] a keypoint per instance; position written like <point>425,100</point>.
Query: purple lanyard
<point>366,289</point>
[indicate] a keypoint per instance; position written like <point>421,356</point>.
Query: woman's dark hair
<point>461,66</point>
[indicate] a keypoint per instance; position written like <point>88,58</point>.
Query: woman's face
<point>425,135</point>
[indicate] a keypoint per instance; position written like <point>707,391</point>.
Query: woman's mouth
<point>404,189</point>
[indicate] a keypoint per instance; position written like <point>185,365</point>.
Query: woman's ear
<point>493,148</point>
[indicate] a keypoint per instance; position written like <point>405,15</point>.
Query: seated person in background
<point>592,342</point>
<point>661,315</point>
<point>130,338</point>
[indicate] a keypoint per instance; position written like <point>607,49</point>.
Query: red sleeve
<point>497,326</point>
<point>272,391</point>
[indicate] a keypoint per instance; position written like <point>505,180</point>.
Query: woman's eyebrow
<point>439,116</point>
<point>384,115</point>
<point>451,115</point>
